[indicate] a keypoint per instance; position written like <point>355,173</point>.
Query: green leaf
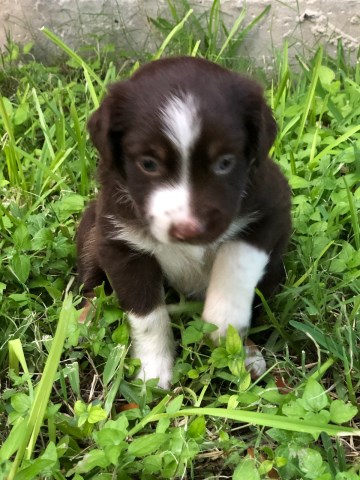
<point>246,470</point>
<point>237,367</point>
<point>47,460</point>
<point>112,363</point>
<point>298,182</point>
<point>27,47</point>
<point>310,462</point>
<point>326,76</point>
<point>109,436</point>
<point>191,335</point>
<point>31,471</point>
<point>147,444</point>
<point>20,402</point>
<point>197,428</point>
<point>21,238</point>
<point>341,412</point>
<point>68,205</point>
<point>95,458</point>
<point>21,266</point>
<point>152,464</point>
<point>175,405</point>
<point>220,357</point>
<point>121,334</point>
<point>21,114</point>
<point>11,444</point>
<point>96,414</point>
<point>294,408</point>
<point>233,341</point>
<point>80,407</point>
<point>314,397</point>
<point>265,467</point>
<point>113,452</point>
<point>42,239</point>
<point>320,418</point>
<point>7,107</point>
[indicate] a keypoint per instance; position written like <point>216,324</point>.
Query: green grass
<point>65,386</point>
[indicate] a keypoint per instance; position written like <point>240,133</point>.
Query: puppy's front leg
<point>237,270</point>
<point>138,284</point>
<point>153,344</point>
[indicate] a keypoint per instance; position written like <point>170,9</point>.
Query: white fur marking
<point>167,206</point>
<point>181,123</point>
<point>153,344</point>
<point>237,270</point>
<point>187,267</point>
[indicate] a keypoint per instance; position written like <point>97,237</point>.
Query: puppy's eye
<point>224,164</point>
<point>149,165</point>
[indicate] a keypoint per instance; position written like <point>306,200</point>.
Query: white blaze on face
<point>170,204</point>
<point>181,122</point>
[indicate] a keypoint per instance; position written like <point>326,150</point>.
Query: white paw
<point>153,344</point>
<point>225,314</point>
<point>153,366</point>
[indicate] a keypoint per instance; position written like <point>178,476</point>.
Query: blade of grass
<point>353,214</point>
<point>213,27</point>
<point>272,317</point>
<point>321,338</point>
<point>310,96</point>
<point>16,356</point>
<point>257,418</point>
<point>313,266</point>
<point>246,30</point>
<point>15,171</point>
<point>232,32</point>
<point>337,142</point>
<point>42,393</point>
<point>195,49</point>
<point>45,129</point>
<point>329,452</point>
<point>116,369</point>
<point>88,71</point>
<point>173,32</point>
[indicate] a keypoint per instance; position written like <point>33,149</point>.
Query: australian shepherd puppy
<point>189,196</point>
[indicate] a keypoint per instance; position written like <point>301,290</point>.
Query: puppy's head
<point>182,136</point>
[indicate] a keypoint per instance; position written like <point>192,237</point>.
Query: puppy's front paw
<point>153,344</point>
<point>153,366</point>
<point>223,314</point>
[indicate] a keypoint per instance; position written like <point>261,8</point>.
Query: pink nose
<point>186,230</point>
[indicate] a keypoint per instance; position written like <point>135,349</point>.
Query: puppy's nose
<point>185,230</point>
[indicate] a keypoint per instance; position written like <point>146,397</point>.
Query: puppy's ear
<point>106,126</point>
<point>98,127</point>
<point>260,126</point>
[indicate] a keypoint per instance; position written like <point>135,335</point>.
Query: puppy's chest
<point>186,267</point>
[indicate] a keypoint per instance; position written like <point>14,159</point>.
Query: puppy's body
<point>189,194</point>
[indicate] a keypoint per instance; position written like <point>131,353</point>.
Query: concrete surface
<point>305,23</point>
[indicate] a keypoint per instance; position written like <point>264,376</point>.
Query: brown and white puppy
<point>188,195</point>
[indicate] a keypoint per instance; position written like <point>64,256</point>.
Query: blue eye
<point>149,165</point>
<point>224,164</point>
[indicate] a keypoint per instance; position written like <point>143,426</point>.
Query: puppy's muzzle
<point>186,230</point>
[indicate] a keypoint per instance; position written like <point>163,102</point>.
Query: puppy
<point>188,195</point>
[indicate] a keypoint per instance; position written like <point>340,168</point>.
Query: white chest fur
<point>186,267</point>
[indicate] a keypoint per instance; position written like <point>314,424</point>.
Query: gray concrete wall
<point>305,23</point>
